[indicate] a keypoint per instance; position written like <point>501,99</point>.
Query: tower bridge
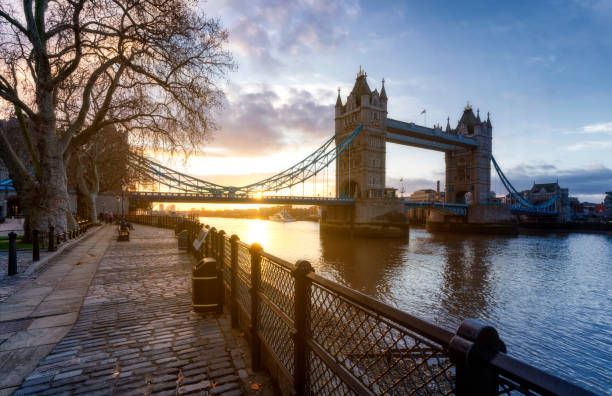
<point>361,201</point>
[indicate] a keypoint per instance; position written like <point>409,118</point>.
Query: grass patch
<point>4,245</point>
<point>5,237</point>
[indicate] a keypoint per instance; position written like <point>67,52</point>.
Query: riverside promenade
<point>112,317</point>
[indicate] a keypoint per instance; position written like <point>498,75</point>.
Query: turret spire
<point>383,93</point>
<point>339,100</point>
<point>448,128</point>
<point>488,120</point>
<point>478,115</point>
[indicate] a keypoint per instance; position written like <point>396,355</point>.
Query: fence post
<point>221,269</point>
<point>207,242</point>
<point>213,242</point>
<point>51,245</point>
<point>220,246</point>
<point>12,263</point>
<point>473,345</point>
<point>233,274</point>
<point>35,246</point>
<point>302,324</point>
<point>255,250</point>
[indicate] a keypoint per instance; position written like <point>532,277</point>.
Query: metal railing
<point>49,240</point>
<point>315,336</point>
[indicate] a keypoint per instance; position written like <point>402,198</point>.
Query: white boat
<point>283,216</point>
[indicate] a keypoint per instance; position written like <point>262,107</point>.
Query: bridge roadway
<point>224,198</point>
<point>459,209</point>
<point>411,134</point>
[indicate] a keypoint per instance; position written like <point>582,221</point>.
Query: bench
<point>123,234</point>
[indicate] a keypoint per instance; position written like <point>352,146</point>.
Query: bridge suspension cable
<point>522,205</point>
<point>300,172</point>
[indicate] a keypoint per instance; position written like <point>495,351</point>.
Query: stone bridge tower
<point>468,171</point>
<point>360,170</point>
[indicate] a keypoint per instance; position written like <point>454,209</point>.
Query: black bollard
<point>51,246</point>
<point>12,264</point>
<point>35,246</point>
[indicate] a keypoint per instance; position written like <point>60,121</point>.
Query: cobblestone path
<point>136,332</point>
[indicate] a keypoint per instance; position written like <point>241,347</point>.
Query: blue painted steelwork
<point>522,206</point>
<point>243,199</point>
<point>453,140</point>
<point>7,185</point>
<point>296,174</point>
<point>458,209</point>
<point>416,142</point>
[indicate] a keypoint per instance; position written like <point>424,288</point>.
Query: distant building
<point>608,204</point>
<point>542,193</point>
<point>427,195</point>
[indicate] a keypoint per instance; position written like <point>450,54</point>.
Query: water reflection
<point>466,289</point>
<point>548,295</point>
<point>367,265</point>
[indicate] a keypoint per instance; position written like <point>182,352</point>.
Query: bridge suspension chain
<point>522,203</point>
<point>300,172</point>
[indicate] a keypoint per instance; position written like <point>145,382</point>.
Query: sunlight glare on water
<point>549,296</point>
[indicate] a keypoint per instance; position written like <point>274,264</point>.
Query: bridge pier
<point>480,219</point>
<point>370,217</point>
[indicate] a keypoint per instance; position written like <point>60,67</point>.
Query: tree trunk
<point>92,210</point>
<point>48,205</point>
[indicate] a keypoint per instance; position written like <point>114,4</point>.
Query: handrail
<point>317,336</point>
<point>422,327</point>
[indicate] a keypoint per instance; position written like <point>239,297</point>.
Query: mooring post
<point>473,345</point>
<point>302,313</point>
<point>233,273</point>
<point>35,246</point>
<point>255,250</point>
<point>12,263</point>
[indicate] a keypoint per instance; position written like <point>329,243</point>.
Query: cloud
<point>605,127</point>
<point>594,144</point>
<point>250,38</point>
<point>591,129</point>
<point>594,179</point>
<point>260,122</point>
<point>265,31</point>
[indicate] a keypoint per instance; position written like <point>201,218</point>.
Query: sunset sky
<point>542,69</point>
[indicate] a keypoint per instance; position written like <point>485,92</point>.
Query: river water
<point>549,296</point>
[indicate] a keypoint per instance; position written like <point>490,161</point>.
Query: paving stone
<point>224,388</point>
<point>136,329</point>
<point>67,374</point>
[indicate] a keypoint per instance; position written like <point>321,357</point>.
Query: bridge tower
<point>360,170</point>
<point>468,170</point>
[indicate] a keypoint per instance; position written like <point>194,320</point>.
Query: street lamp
<point>123,185</point>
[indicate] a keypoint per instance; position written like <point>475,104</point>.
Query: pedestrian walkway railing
<point>315,336</point>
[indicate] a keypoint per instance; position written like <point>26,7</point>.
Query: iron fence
<point>315,336</point>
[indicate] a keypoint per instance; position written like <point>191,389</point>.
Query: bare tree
<point>101,165</point>
<point>69,68</point>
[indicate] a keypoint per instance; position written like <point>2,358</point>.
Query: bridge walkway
<point>136,332</point>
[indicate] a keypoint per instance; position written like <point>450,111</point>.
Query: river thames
<point>549,296</point>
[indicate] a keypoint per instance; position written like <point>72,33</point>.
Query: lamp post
<point>122,194</point>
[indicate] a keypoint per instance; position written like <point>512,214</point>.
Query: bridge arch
<point>350,189</point>
<point>460,197</point>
